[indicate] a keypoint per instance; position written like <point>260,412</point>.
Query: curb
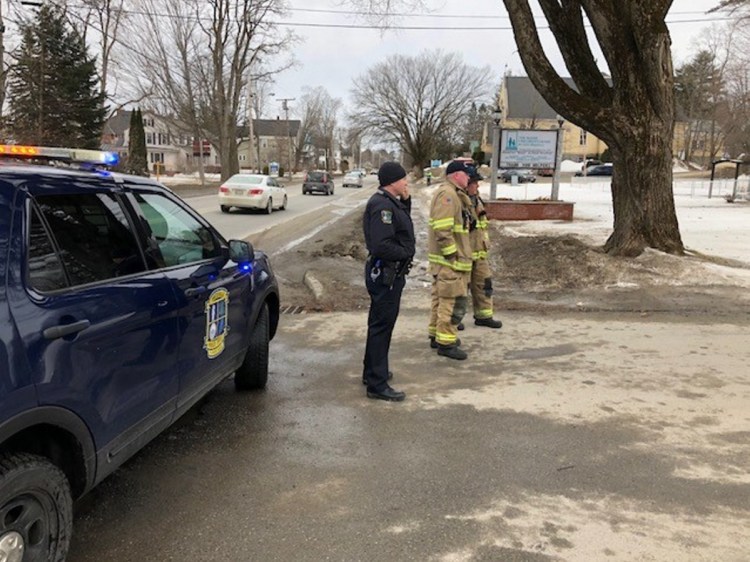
<point>312,283</point>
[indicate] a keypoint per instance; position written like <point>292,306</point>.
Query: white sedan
<point>353,178</point>
<point>252,191</point>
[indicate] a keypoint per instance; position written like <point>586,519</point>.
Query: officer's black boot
<point>460,326</point>
<point>488,322</point>
<point>434,344</point>
<point>452,351</point>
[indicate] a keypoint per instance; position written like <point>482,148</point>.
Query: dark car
<point>521,175</point>
<point>120,307</point>
<point>318,181</point>
<point>601,170</point>
<point>587,165</point>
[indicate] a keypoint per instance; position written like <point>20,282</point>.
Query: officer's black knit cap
<point>390,172</point>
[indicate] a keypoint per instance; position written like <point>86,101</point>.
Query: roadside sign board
<point>528,148</point>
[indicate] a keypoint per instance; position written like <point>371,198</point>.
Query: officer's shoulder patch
<point>386,216</point>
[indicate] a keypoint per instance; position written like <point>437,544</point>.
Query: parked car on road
<point>522,176</point>
<point>318,181</point>
<point>252,191</point>
<point>120,308</point>
<point>352,179</point>
<point>601,170</point>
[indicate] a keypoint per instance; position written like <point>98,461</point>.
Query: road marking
<point>326,224</point>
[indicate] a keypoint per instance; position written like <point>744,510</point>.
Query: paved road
<point>245,223</point>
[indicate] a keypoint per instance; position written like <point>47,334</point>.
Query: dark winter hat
<point>390,172</point>
<point>474,174</point>
<point>456,166</point>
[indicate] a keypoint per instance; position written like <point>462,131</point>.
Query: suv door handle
<point>195,291</point>
<point>55,332</point>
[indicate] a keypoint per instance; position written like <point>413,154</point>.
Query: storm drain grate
<point>292,310</point>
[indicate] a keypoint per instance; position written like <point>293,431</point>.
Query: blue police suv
<point>120,307</point>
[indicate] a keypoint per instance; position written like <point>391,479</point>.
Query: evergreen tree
<point>54,98</point>
<point>137,163</point>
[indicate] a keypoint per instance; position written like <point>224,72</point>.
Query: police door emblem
<point>386,217</point>
<point>217,307</point>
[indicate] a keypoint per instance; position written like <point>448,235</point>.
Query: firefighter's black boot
<point>488,322</point>
<point>452,351</point>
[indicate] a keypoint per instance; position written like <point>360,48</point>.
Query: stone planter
<point>529,210</point>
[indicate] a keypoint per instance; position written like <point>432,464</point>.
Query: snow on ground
<point>708,226</point>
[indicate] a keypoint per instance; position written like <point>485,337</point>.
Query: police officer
<point>389,236</point>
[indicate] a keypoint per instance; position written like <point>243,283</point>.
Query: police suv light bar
<point>54,153</point>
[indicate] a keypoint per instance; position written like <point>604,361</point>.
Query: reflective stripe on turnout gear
<point>454,265</point>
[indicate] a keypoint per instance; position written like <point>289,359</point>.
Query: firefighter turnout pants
<point>449,304</point>
<point>481,289</point>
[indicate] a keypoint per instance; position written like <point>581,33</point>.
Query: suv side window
<point>179,236</point>
<point>93,236</point>
<point>46,271</point>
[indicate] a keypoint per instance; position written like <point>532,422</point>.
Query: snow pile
<point>709,227</point>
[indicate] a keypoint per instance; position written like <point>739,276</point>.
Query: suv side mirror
<point>241,252</point>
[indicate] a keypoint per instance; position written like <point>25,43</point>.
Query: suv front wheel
<point>36,509</point>
<point>253,373</point>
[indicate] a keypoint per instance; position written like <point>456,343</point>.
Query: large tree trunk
<point>633,111</point>
<point>642,198</point>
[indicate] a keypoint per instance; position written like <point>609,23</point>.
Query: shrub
<point>265,170</point>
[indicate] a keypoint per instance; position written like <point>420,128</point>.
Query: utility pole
<point>285,107</point>
<point>250,128</point>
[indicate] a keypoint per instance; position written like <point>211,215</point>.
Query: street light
<point>497,116</point>
<point>558,156</point>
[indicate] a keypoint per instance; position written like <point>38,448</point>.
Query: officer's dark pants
<point>384,306</point>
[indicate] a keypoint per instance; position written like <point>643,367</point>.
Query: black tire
<point>225,208</point>
<point>269,206</point>
<point>283,205</point>
<point>35,503</point>
<point>253,373</point>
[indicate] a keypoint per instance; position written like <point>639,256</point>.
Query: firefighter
<point>481,273</point>
<point>389,236</point>
<point>449,254</point>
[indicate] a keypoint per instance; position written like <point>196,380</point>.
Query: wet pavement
<point>565,436</point>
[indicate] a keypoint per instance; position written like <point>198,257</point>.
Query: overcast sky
<point>333,57</point>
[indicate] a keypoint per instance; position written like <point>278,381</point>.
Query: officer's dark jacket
<point>389,232</point>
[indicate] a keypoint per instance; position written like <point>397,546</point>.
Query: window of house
<point>156,157</point>
<point>264,143</point>
<point>149,138</point>
<point>243,158</point>
<point>582,139</point>
<point>148,121</point>
<point>163,138</point>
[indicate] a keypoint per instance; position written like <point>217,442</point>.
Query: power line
<point>430,15</point>
<point>453,28</point>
